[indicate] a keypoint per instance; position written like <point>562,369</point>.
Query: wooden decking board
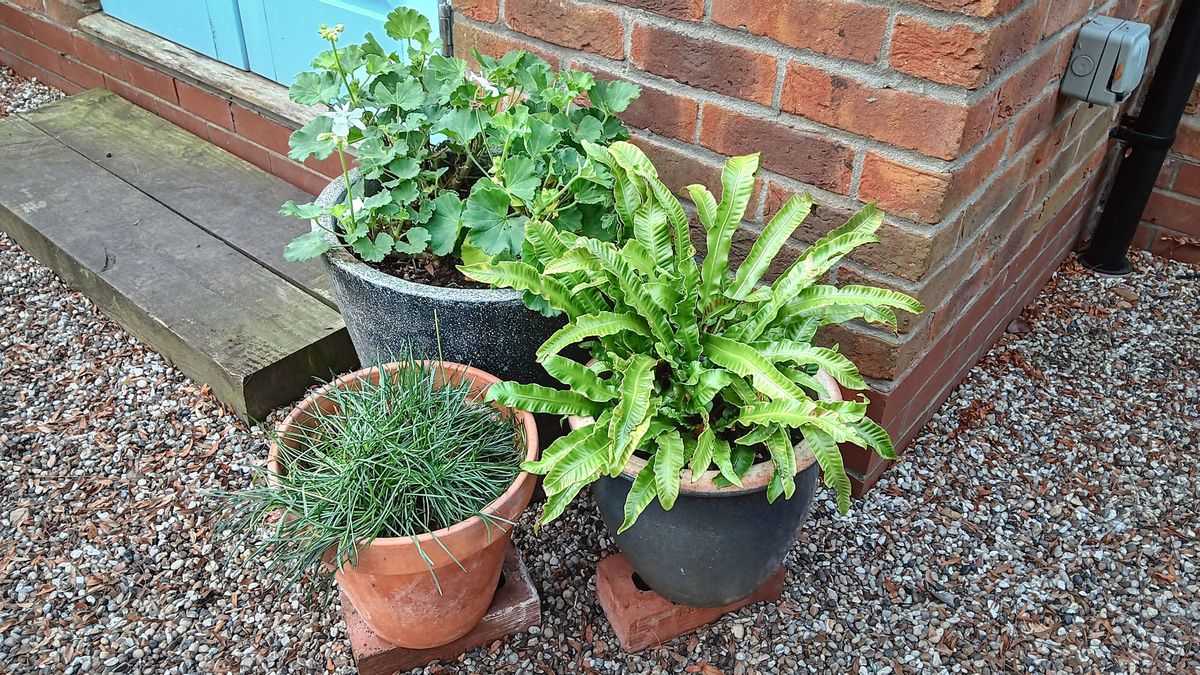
<point>218,314</point>
<point>223,194</point>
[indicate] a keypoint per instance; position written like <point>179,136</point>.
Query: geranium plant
<point>694,366</point>
<point>452,162</point>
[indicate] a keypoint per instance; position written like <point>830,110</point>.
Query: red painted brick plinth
<point>515,608</point>
<point>644,619</point>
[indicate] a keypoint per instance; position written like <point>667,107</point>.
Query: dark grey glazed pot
<point>387,317</point>
<point>715,546</point>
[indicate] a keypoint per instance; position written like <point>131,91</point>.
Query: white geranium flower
<point>483,83</point>
<point>344,117</point>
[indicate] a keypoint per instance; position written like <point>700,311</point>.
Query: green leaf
<point>702,456</point>
<point>374,251</point>
<point>538,399</point>
<point>312,140</point>
<point>613,97</point>
<point>445,224</point>
<point>668,462</point>
<point>783,454</point>
<point>829,457</point>
<point>310,211</point>
<point>633,409</point>
<point>542,137</point>
<point>640,495</point>
<point>798,414</point>
<point>406,95</point>
<point>599,324</point>
<point>561,447</point>
<point>722,458</point>
<point>874,436</point>
<point>837,365</point>
<point>486,215</point>
<point>710,381</point>
<point>767,246</point>
<point>523,277</point>
<point>816,298</point>
<point>579,378</point>
<point>405,23</point>
<point>558,502</point>
<point>311,88</point>
<point>737,184</point>
<point>462,124</point>
<point>307,246</point>
<point>584,463</point>
<point>521,177</point>
<point>415,241</point>
<point>746,361</point>
<point>650,229</point>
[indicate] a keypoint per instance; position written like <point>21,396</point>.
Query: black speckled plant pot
<point>715,546</point>
<point>710,549</point>
<point>387,317</point>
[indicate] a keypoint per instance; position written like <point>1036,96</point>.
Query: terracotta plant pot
<point>391,585</point>
<point>716,546</point>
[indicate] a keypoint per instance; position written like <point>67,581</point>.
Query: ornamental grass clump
<point>397,457</point>
<point>694,365</point>
<point>452,162</point>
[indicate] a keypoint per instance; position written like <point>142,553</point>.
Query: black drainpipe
<point>1147,137</point>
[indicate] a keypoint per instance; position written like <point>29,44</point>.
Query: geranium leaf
<point>307,246</point>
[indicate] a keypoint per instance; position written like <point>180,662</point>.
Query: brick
<point>150,79</point>
<point>902,252</point>
<point>678,169</point>
<point>330,167</point>
<point>309,181</point>
<point>134,95</point>
<point>88,78</point>
<point>487,11</point>
<point>1061,13</point>
<point>1187,180</point>
<point>691,10</point>
<point>1187,140</point>
<point>97,56</point>
<point>1168,245</point>
<point>975,172</point>
<point>1166,175</point>
<point>804,156</point>
<point>33,5</point>
<point>261,130</point>
<point>846,29</point>
<point>1026,84</point>
<point>232,143</point>
<point>704,63</point>
<point>875,356</point>
<point>184,119</point>
<point>588,28</point>
<point>51,35</point>
<point>927,125</point>
<point>1193,104</point>
<point>15,19</point>
<point>468,37</point>
<point>903,190</point>
<point>956,55</point>
<point>663,112</point>
<point>1174,212</point>
<point>971,7</point>
<point>41,55</point>
<point>1034,120</point>
<point>204,104</point>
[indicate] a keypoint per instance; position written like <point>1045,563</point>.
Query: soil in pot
<point>429,589</point>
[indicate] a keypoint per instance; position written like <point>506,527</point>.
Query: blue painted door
<point>211,27</point>
<point>281,35</point>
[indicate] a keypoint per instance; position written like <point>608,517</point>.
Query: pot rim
<point>346,262</point>
<point>756,478</point>
<point>521,483</point>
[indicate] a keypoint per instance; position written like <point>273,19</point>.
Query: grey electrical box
<point>1108,61</point>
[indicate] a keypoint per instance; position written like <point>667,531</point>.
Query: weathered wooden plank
<point>223,194</point>
<point>218,315</point>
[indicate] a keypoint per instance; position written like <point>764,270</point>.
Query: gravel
<point>1044,520</point>
<point>18,94</point>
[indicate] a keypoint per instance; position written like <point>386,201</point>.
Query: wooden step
<point>177,240</point>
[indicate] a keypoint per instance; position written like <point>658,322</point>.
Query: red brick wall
<point>38,40</point>
<point>1171,222</point>
<point>945,112</point>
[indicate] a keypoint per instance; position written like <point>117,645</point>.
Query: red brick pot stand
<point>515,608</point>
<point>643,618</point>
